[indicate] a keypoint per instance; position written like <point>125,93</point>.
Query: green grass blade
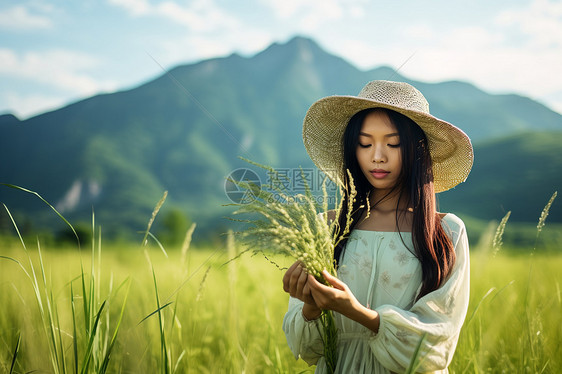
<point>58,329</point>
<point>88,353</point>
<point>92,294</point>
<point>46,202</point>
<point>415,362</point>
<point>156,311</point>
<point>478,305</point>
<point>178,361</point>
<point>75,337</point>
<point>86,304</point>
<point>15,226</point>
<point>14,260</point>
<point>50,318</point>
<point>196,271</point>
<point>15,355</point>
<point>163,346</point>
<point>174,315</point>
<point>158,243</point>
<point>22,268</point>
<point>105,362</point>
<point>153,216</point>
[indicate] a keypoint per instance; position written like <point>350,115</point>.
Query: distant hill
<point>184,130</point>
<point>518,173</point>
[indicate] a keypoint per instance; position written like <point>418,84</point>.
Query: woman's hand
<point>339,298</point>
<point>317,296</point>
<point>296,283</point>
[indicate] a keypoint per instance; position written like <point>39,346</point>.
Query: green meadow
<point>143,309</point>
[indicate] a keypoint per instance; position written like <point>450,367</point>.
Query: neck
<point>384,200</point>
<point>387,213</point>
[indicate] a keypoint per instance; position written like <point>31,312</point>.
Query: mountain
<point>184,130</point>
<point>8,120</point>
<point>518,173</point>
<point>483,116</point>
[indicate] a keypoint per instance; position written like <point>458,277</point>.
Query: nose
<point>379,155</point>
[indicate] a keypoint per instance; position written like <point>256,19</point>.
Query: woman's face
<point>378,152</point>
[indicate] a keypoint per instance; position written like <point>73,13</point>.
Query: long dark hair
<point>433,248</point>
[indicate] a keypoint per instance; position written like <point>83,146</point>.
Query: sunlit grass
<point>203,326</point>
<point>517,325</point>
<point>147,309</point>
<point>231,322</point>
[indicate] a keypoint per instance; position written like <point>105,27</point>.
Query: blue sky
<point>56,52</point>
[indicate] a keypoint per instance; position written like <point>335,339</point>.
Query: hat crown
<point>326,120</point>
<point>397,94</point>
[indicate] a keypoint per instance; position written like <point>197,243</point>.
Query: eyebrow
<point>386,136</point>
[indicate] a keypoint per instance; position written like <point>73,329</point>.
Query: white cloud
<point>28,105</point>
<point>198,16</point>
<point>310,15</point>
<point>19,18</point>
<point>421,32</point>
<point>134,7</point>
<point>519,51</point>
<point>61,69</point>
<point>362,54</point>
<point>326,11</point>
<point>285,9</point>
<point>554,99</point>
<point>485,58</point>
<point>64,73</point>
<point>357,11</point>
<point>211,30</point>
<point>202,46</point>
<point>540,21</point>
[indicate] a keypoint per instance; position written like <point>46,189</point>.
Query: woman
<point>403,272</point>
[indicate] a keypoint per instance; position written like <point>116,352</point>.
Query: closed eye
<point>394,145</point>
<point>364,145</point>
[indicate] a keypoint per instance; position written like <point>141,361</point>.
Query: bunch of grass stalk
<point>299,227</point>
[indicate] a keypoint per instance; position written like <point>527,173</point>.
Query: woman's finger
<point>314,284</point>
<point>295,281</point>
<point>307,295</point>
<point>301,282</point>
<point>287,276</point>
<point>333,280</point>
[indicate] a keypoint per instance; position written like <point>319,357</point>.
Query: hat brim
<point>325,122</point>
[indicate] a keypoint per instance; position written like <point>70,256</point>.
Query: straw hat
<point>325,122</point>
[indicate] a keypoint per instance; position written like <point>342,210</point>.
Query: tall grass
<point>92,335</point>
<point>513,326</point>
<point>494,339</point>
<point>192,311</point>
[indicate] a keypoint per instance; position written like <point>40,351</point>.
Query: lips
<point>379,173</point>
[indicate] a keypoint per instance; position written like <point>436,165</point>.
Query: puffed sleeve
<point>440,314</point>
<point>303,336</point>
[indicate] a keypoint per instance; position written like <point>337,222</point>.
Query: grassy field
<point>195,312</point>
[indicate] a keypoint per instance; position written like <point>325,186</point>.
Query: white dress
<point>384,275</point>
